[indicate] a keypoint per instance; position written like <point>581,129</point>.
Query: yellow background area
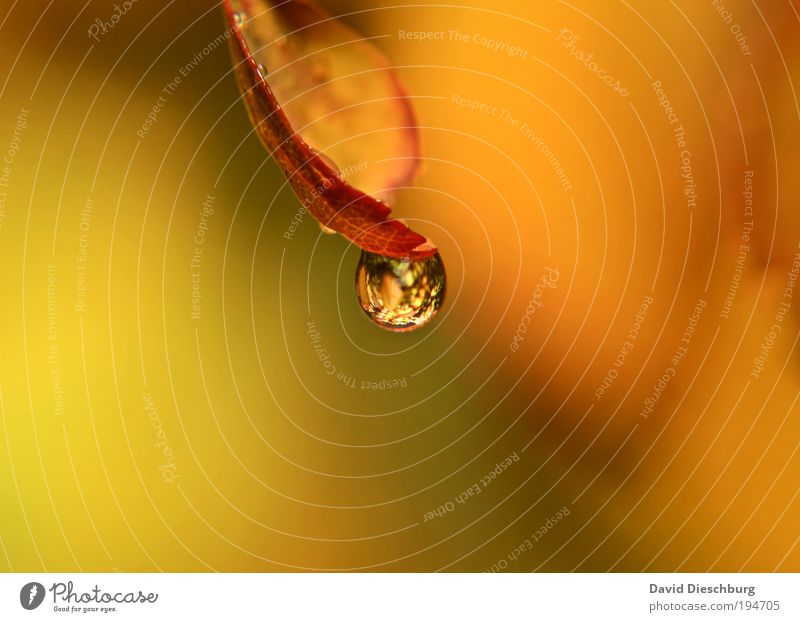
<point>157,414</point>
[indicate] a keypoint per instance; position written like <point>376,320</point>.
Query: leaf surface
<point>311,85</point>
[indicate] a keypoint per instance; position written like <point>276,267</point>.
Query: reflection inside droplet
<point>397,294</point>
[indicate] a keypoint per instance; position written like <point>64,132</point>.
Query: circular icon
<point>31,595</point>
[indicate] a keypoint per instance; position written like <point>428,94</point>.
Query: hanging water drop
<point>399,294</point>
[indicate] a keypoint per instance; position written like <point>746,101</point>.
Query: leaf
<point>298,68</point>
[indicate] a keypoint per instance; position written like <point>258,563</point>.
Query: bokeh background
<point>157,414</point>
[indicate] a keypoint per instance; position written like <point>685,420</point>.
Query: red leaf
<point>322,74</point>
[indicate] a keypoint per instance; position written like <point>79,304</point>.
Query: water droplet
<point>262,70</point>
<point>400,294</point>
<point>238,19</point>
<point>326,229</point>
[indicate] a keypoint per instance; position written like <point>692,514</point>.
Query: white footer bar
<point>401,597</point>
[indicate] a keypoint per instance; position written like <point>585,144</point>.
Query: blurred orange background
<point>612,186</point>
